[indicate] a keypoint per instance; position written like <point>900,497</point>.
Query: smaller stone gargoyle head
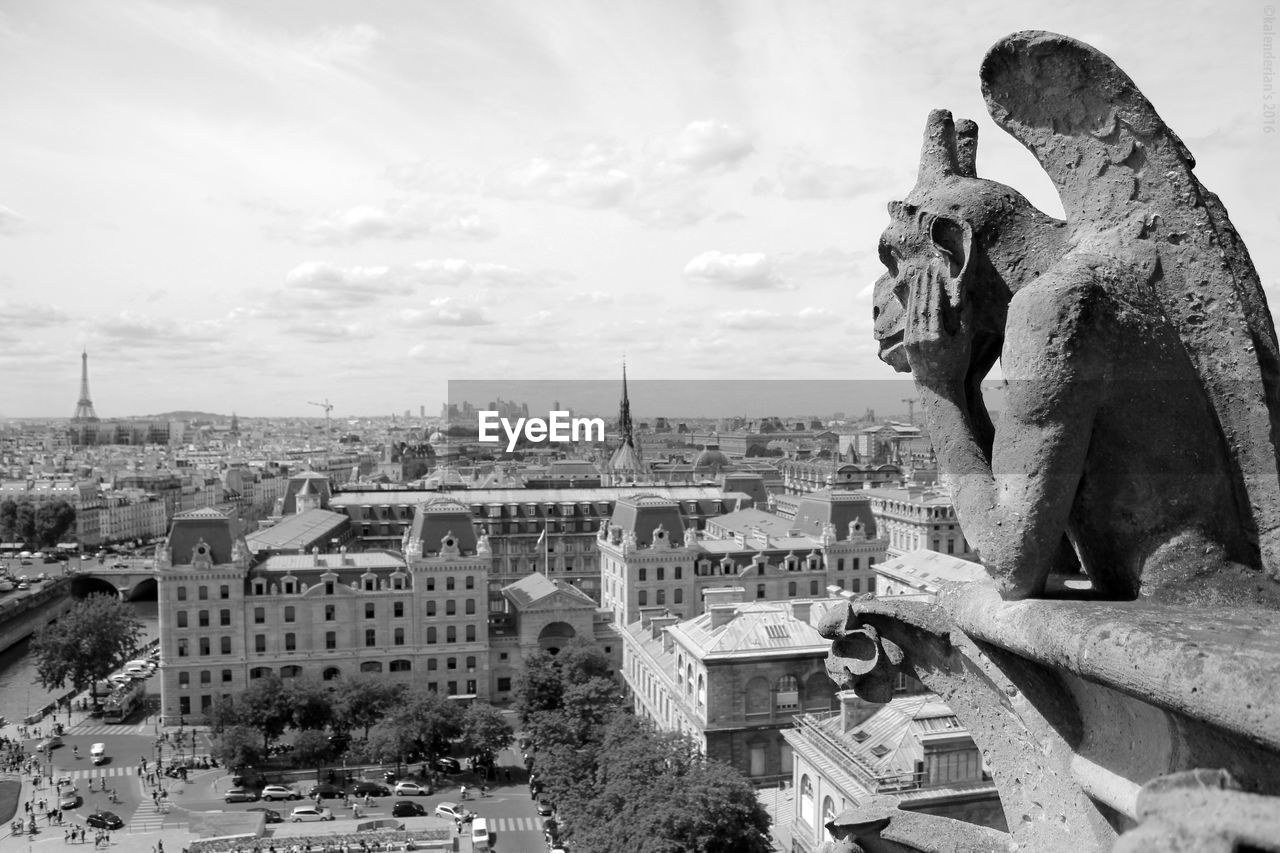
<point>860,659</point>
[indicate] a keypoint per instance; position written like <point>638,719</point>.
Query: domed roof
<point>437,437</point>
<point>710,457</point>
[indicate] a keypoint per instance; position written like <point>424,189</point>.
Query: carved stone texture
<point>1143,376</point>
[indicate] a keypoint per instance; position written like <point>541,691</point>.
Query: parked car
<point>68,798</point>
<point>302,813</point>
<point>412,789</point>
<point>545,808</point>
<point>453,811</point>
<point>104,820</point>
<point>240,795</point>
<point>49,743</point>
<point>407,808</point>
<point>448,765</point>
<point>326,791</point>
<point>271,815</point>
<point>280,792</point>
<point>373,789</point>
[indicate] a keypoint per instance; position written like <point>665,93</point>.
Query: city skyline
<point>244,208</point>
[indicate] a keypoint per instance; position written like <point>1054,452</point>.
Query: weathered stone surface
<point>1140,415</point>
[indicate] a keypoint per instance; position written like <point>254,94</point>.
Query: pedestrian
<point>160,846</point>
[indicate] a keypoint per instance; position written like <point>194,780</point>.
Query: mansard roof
<point>838,508</point>
<point>217,530</point>
<point>540,590</point>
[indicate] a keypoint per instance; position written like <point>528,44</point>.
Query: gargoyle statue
<point>1141,364</point>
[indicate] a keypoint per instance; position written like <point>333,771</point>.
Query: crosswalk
<point>96,773</point>
<point>89,729</point>
<point>148,817</point>
<point>515,824</point>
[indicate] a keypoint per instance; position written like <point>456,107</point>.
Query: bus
<point>122,702</point>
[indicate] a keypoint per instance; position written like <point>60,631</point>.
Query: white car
<point>280,792</point>
<point>98,752</point>
<point>451,811</point>
<point>302,813</point>
<point>411,789</point>
<point>68,798</point>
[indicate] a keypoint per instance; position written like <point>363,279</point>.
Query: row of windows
<point>202,592</point>
<point>370,638</point>
<point>205,646</point>
<point>369,584</point>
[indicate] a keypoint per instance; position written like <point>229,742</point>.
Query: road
<point>508,807</point>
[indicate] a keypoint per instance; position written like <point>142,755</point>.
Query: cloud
<point>431,176</point>
<point>445,311</point>
<point>753,319</point>
<point>328,285</point>
<point>750,271</point>
<point>589,174</point>
<point>341,45</point>
<point>355,284</point>
<point>802,176</point>
<point>10,221</point>
<point>27,315</point>
<point>323,331</point>
<point>131,329</point>
<point>398,220</point>
<point>828,263</point>
<point>701,147</point>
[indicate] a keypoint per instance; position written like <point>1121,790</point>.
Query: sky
<point>249,206</point>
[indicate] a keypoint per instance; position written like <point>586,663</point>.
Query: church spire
<point>84,406</point>
<point>624,412</point>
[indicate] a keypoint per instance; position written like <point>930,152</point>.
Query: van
<point>98,752</point>
<point>479,834</point>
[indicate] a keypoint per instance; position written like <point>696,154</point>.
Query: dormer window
<point>288,587</point>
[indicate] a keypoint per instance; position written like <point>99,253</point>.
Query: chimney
<point>854,711</point>
<point>800,609</point>
<point>722,614</point>
<point>657,623</point>
<point>723,595</point>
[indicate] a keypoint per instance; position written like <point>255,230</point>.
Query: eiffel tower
<point>84,406</point>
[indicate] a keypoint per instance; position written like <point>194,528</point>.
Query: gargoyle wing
<point>1126,184</point>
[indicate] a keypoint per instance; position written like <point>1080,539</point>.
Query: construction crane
<point>328,431</point>
<point>911,409</point>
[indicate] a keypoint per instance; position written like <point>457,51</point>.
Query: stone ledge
<point>1220,666</point>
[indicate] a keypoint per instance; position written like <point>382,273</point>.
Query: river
<point>20,690</point>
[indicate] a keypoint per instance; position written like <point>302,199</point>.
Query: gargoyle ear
<point>952,239</point>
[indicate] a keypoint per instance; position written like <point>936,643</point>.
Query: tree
<point>484,731</point>
<point>265,707</point>
<point>537,686</point>
<point>360,702</point>
<point>8,520</point>
<point>311,704</point>
<point>429,720</point>
<point>311,748</point>
<point>237,747</point>
<point>390,741</point>
<point>51,521</point>
<point>92,640</point>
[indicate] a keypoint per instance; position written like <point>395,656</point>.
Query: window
<point>184,704</point>
<point>259,643</point>
<point>644,575</point>
<point>951,546</point>
<point>840,565</point>
<point>856,560</point>
<point>471,633</point>
<point>224,591</point>
<point>398,637</point>
<point>203,617</point>
<point>226,676</point>
<point>813,587</point>
<point>259,615</point>
<point>471,664</point>
<point>184,679</point>
<point>449,583</point>
<point>431,584</point>
<point>760,590</point>
<point>856,585</point>
<point>678,597</point>
<point>369,585</point>
<point>401,666</point>
<point>450,607</point>
<point>661,597</point>
<point>642,598</point>
<point>328,590</point>
<point>451,663</point>
<point>677,573</point>
<point>289,614</point>
<point>203,593</point>
<point>370,637</point>
<point>871,584</point>
<point>330,639</point>
<point>331,673</point>
<point>259,672</point>
<point>471,582</point>
<point>791,588</point>
<point>224,645</point>
<point>504,685</point>
<point>431,608</point>
<point>397,609</point>
<point>182,618</point>
<point>182,593</point>
<point>290,642</point>
<point>432,665</point>
<point>329,612</point>
<point>431,634</point>
<point>259,588</point>
<point>288,587</point>
<point>451,634</point>
<point>369,610</point>
<point>371,666</point>
<point>206,677</point>
<point>662,573</point>
<point>471,607</point>
<point>453,688</point>
<point>205,646</point>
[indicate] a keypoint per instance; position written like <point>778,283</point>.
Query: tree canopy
<point>88,643</point>
<point>41,525</point>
